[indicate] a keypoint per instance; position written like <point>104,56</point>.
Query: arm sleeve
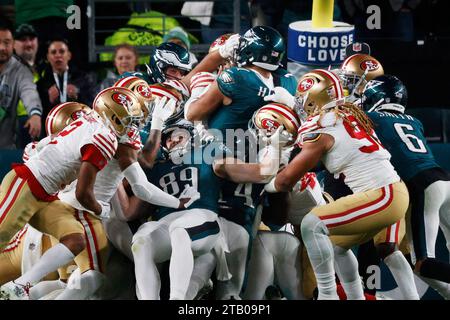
<point>28,93</point>
<point>146,191</point>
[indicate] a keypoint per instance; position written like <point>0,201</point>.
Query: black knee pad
<point>385,249</point>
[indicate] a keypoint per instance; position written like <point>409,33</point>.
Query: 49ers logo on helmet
<point>121,98</point>
<point>77,114</point>
<point>144,91</point>
<point>305,85</point>
<point>269,124</point>
<point>370,65</point>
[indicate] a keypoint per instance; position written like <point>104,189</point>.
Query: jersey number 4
<point>413,143</point>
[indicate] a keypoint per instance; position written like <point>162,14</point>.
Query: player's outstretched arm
<point>307,159</point>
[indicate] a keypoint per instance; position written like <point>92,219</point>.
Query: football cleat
<point>14,291</point>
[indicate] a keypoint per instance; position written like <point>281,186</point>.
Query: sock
<point>320,252</point>
<point>43,288</point>
<point>347,270</point>
<point>203,268</point>
<point>403,275</point>
<point>148,281</point>
<point>441,287</point>
<point>181,263</point>
<point>435,269</point>
<point>87,284</point>
<point>57,256</point>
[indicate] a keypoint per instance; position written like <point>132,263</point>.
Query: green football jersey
<point>402,135</point>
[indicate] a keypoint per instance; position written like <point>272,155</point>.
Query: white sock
<point>45,287</point>
<point>403,275</point>
<point>321,255</point>
<point>87,284</point>
<point>347,270</point>
<point>181,263</point>
<point>55,257</point>
<point>203,268</point>
<point>148,281</point>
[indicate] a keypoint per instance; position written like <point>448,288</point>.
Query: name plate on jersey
<point>324,46</point>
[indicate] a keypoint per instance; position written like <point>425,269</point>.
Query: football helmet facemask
<point>142,91</point>
<point>176,140</point>
<point>119,109</point>
<point>266,120</point>
<point>357,70</point>
<point>317,90</point>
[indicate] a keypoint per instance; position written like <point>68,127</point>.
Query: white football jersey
<point>105,186</point>
<point>58,162</point>
<point>360,157</point>
<point>107,180</point>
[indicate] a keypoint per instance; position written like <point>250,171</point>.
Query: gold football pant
<point>17,206</point>
<point>357,218</point>
<point>60,219</point>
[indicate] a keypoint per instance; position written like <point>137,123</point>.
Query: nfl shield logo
<point>357,47</point>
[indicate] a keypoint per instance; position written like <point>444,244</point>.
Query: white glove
<point>281,95</point>
<point>106,209</point>
<point>163,109</point>
<point>226,50</point>
<point>270,187</point>
<point>203,133</point>
<point>189,192</point>
<point>279,139</point>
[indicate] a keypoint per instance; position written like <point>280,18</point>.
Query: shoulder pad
<point>227,77</point>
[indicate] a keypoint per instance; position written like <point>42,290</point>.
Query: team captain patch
<point>310,137</point>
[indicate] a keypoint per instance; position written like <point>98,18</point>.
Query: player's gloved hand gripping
<point>162,110</point>
<point>281,95</point>
<point>188,197</point>
<point>227,49</point>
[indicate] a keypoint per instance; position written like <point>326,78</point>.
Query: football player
<point>356,71</point>
<point>178,235</point>
<point>342,136</point>
<point>384,99</point>
<point>229,103</point>
<point>80,150</point>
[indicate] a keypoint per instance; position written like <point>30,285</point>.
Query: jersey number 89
<point>170,184</point>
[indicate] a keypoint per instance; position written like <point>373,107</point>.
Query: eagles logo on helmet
<point>63,114</point>
<point>385,93</point>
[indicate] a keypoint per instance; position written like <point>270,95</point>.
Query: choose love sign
<point>324,46</point>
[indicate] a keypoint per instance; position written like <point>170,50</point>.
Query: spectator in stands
<point>25,47</point>
<point>126,59</point>
<point>48,17</point>
<point>59,83</point>
<point>16,81</point>
<point>180,37</point>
